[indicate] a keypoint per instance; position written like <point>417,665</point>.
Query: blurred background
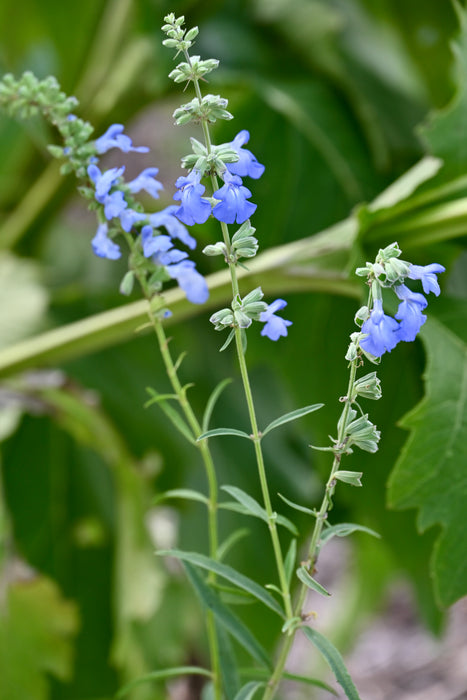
<point>341,98</point>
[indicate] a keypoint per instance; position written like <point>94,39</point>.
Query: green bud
<point>253,296</point>
<point>215,249</point>
<point>363,434</point>
<point>369,387</point>
<point>192,34</point>
<point>127,283</point>
<point>222,319</point>
<point>242,319</point>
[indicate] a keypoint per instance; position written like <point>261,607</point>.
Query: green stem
<point>313,549</point>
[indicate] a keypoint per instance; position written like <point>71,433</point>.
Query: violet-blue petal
<point>103,246</point>
<point>171,257</point>
<point>146,181</point>
<point>247,164</point>
<point>175,228</point>
<point>114,138</point>
<point>153,245</point>
<point>427,274</point>
<point>382,331</point>
<point>114,205</point>
<point>194,208</point>
<point>233,205</point>
<point>129,217</point>
<point>274,326</point>
<point>104,181</point>
<point>190,280</point>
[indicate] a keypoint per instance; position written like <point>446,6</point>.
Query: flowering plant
<point>157,248</point>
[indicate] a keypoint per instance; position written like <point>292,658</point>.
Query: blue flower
<point>194,208</point>
<point>152,245</point>
<point>146,181</point>
<point>275,326</point>
<point>382,331</point>
<point>103,246</point>
<point>247,165</point>
<point>114,205</point>
<point>167,218</point>
<point>190,280</point>
<point>129,217</point>
<point>427,274</point>
<point>409,312</point>
<point>113,138</point>
<point>103,182</point>
<point>233,205</point>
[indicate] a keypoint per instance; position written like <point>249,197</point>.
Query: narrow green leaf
<point>228,573</point>
<point>232,539</point>
<point>188,494</point>
<point>249,506</point>
<point>249,690</point>
<point>260,673</point>
<point>156,398</point>
<point>228,663</point>
<point>345,529</point>
<point>174,416</point>
<point>230,337</point>
<point>309,581</point>
<point>293,415</point>
<point>335,661</point>
<point>225,616</point>
<point>223,431</point>
<point>295,506</point>
<point>212,402</point>
<point>162,675</point>
<point>352,478</point>
<point>290,559</point>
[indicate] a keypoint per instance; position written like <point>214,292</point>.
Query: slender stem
<point>313,549</point>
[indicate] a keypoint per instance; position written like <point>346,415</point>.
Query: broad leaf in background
<point>35,639</point>
<point>430,473</point>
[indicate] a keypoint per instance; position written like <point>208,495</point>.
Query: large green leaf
<point>35,639</point>
<point>430,473</point>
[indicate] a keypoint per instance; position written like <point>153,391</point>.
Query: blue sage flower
<point>167,218</point>
<point>382,331</point>
<point>427,274</point>
<point>146,181</point>
<point>247,165</point>
<point>103,246</point>
<point>194,208</point>
<point>153,245</point>
<point>114,205</point>
<point>103,182</point>
<point>233,205</point>
<point>190,280</point>
<point>274,326</point>
<point>129,217</point>
<point>114,138</point>
<point>409,312</point>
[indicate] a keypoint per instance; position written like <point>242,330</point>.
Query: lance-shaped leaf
<point>335,661</point>
<point>345,529</point>
<point>309,581</point>
<point>212,402</point>
<point>250,506</point>
<point>430,473</point>
<point>225,616</point>
<point>293,415</point>
<point>224,431</point>
<point>228,573</point>
<point>162,675</point>
<point>248,690</point>
<point>187,494</point>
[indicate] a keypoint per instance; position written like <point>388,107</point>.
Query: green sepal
<point>352,478</point>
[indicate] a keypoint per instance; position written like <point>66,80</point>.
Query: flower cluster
<point>381,332</point>
<point>252,308</point>
<point>231,200</point>
<point>119,207</point>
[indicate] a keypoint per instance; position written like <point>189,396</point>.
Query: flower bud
<point>369,387</point>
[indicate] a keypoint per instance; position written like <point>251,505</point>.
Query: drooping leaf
<point>296,506</point>
<point>293,415</point>
<point>430,473</point>
<point>188,494</point>
<point>227,572</point>
<point>250,506</point>
<point>224,431</point>
<point>226,617</point>
<point>309,581</point>
<point>162,675</point>
<point>345,529</point>
<point>335,661</point>
<point>174,416</point>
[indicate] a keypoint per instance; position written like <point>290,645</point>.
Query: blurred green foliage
<point>334,94</point>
